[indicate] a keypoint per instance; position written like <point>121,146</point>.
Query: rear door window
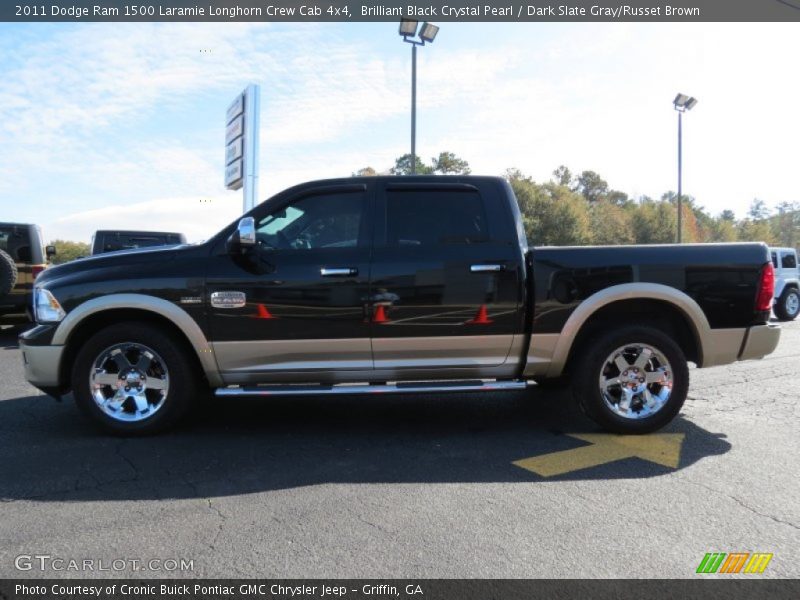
<point>435,217</point>
<point>788,260</point>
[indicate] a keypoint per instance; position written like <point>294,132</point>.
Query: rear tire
<point>132,378</point>
<point>788,305</point>
<point>8,273</point>
<point>633,380</point>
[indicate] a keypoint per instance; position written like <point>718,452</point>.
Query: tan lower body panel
<point>442,352</point>
<point>350,360</point>
<point>265,356</point>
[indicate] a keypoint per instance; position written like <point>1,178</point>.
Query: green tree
<point>402,166</point>
<point>553,215</point>
<point>655,223</point>
<point>786,224</point>
<point>758,210</point>
<point>67,251</point>
<point>722,230</point>
<point>591,186</point>
<point>448,163</point>
<point>611,224</point>
<point>563,176</point>
<point>750,230</point>
<point>365,172</point>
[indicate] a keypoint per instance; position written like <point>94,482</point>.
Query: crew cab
<point>394,284</point>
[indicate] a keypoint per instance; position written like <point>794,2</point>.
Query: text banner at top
<point>362,10</point>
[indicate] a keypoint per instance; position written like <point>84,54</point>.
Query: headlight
<point>46,307</point>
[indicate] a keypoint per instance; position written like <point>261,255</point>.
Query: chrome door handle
<point>337,272</point>
<point>486,268</point>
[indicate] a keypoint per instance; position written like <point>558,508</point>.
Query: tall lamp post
<point>408,29</point>
<point>682,103</point>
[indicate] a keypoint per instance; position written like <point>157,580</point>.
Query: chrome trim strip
<point>485,268</point>
<point>372,389</point>
<point>337,272</point>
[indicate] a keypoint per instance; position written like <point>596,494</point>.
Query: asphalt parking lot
<point>419,487</point>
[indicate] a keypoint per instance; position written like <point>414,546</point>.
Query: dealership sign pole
<point>241,145</point>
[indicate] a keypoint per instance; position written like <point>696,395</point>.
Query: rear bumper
<point>724,346</point>
<point>759,341</point>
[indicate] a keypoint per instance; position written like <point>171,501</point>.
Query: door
<point>296,303</point>
<point>446,290</point>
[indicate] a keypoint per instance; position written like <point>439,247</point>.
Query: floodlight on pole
<point>682,103</point>
<point>427,33</point>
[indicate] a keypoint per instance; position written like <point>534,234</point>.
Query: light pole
<point>682,103</point>
<point>408,29</point>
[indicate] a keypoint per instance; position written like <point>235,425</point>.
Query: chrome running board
<point>393,388</point>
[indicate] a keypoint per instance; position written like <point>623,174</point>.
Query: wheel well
<point>97,321</point>
<point>656,313</point>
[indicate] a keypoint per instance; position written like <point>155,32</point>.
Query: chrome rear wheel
<point>636,381</point>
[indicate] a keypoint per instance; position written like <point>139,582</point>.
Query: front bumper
<point>759,341</point>
<point>42,364</point>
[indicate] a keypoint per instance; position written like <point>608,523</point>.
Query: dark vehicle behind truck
<point>111,241</point>
<point>384,285</point>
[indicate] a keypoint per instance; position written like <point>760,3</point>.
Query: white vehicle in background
<point>787,283</point>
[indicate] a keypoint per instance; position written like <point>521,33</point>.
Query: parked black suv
<point>110,241</point>
<point>22,257</point>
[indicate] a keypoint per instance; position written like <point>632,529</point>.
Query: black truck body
<point>389,284</point>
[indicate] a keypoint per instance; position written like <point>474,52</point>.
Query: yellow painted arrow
<point>661,448</point>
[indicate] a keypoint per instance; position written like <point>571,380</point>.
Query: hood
<point>134,256</point>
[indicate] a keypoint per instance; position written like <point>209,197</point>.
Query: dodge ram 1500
<point>393,284</point>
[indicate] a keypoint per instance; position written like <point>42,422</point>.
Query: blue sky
<point>121,125</point>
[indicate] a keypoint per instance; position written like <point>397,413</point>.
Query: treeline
<point>581,209</point>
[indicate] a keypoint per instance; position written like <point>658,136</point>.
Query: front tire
<point>132,378</point>
<point>788,305</point>
<point>631,381</point>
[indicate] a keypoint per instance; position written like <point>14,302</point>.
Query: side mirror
<point>50,251</point>
<point>244,237</point>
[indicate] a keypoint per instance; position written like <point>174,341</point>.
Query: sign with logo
<point>234,144</point>
<point>234,175</point>
<point>241,145</point>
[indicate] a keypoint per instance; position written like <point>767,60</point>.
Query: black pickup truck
<point>393,284</point>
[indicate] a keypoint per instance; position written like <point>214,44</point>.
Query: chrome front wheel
<point>135,378</point>
<point>129,382</point>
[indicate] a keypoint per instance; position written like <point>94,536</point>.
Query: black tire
<point>181,373</point>
<point>591,362</point>
<point>8,273</point>
<point>788,305</point>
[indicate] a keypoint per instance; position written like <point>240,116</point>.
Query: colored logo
<point>736,562</point>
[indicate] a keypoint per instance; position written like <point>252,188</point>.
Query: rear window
<point>128,242</point>
<point>15,242</point>
<point>433,217</point>
<point>789,261</point>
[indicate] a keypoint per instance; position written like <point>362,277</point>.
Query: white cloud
<point>197,218</point>
<point>85,110</point>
